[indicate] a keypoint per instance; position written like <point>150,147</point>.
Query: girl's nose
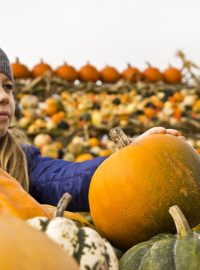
<point>4,98</point>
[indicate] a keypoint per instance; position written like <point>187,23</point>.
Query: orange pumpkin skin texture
<point>88,73</point>
<point>23,247</point>
<point>152,74</point>
<point>172,75</point>
<point>40,69</point>
<point>67,72</point>
<point>109,75</point>
<point>132,190</point>
<point>20,71</point>
<point>131,74</point>
<point>15,201</point>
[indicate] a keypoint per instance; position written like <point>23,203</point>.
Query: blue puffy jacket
<point>50,178</point>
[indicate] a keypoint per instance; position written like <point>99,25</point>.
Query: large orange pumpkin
<point>23,247</point>
<point>15,201</point>
<point>132,190</point>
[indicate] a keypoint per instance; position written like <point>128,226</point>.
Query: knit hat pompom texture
<point>5,65</point>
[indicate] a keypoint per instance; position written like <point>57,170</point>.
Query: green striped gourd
<point>166,251</point>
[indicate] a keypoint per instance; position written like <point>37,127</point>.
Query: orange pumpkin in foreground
<point>23,247</point>
<point>15,201</point>
<point>132,190</point>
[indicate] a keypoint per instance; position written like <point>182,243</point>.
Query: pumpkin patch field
<point>144,198</point>
<point>67,112</point>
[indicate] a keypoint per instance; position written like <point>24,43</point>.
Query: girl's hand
<point>158,130</point>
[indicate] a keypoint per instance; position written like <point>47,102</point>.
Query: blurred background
<point>73,84</point>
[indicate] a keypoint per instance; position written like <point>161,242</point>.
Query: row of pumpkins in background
<point>89,73</point>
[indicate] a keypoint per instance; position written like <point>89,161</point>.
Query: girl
<point>46,179</point>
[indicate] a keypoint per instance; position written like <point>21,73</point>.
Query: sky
<point>103,32</point>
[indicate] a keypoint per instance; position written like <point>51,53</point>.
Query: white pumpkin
<point>83,243</point>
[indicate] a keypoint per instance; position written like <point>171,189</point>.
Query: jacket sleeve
<point>50,178</point>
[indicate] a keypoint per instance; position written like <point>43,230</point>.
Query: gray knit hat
<point>5,65</point>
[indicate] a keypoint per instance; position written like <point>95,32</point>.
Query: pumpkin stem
<point>118,136</point>
<point>62,204</point>
<point>148,64</point>
<point>180,221</point>
<point>86,131</point>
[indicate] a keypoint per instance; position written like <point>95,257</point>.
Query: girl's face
<point>7,103</point>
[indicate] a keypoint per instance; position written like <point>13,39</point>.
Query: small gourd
<point>166,251</point>
<point>85,244</point>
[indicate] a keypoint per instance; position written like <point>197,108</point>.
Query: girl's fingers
<point>159,130</point>
<point>173,132</point>
<point>151,131</point>
<point>155,130</point>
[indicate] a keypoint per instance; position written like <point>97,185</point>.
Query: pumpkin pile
<point>143,181</point>
<point>86,102</point>
<point>89,73</point>
<point>65,112</point>
<point>83,243</point>
<point>71,231</point>
<point>23,247</point>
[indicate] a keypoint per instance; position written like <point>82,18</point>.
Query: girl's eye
<point>8,86</point>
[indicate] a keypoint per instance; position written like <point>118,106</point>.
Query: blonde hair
<point>12,157</point>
